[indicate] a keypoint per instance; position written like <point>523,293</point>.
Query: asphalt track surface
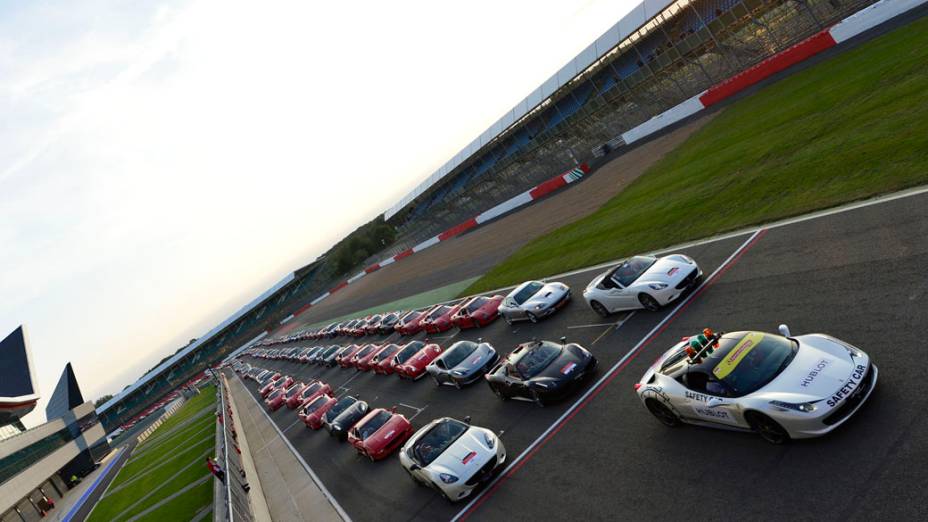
<point>859,275</point>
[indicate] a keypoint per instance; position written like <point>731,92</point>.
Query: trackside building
<point>37,465</point>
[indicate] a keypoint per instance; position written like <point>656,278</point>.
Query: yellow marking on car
<point>734,357</point>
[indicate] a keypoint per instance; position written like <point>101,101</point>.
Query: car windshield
<point>537,359</point>
<point>343,404</point>
<point>293,390</point>
<point>370,427</point>
<point>315,405</point>
<point>274,394</point>
<point>747,362</point>
<point>367,349</point>
<point>440,311</point>
<point>386,352</point>
<point>476,304</point>
<point>626,273</point>
<point>527,292</point>
<point>458,353</point>
<point>437,440</point>
<point>408,351</point>
<point>390,318</point>
<point>311,389</point>
<point>411,316</point>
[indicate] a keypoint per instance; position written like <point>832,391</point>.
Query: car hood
<point>670,270</point>
<point>478,359</point>
<point>547,296</point>
<point>821,366</point>
<point>565,366</point>
<point>467,455</point>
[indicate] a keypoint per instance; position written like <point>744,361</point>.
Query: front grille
<point>688,280</point>
<point>483,473</point>
<point>851,403</point>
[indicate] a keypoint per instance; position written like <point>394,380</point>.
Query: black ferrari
<point>344,421</point>
<point>541,371</point>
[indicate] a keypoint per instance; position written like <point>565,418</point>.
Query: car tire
<point>649,303</point>
<point>768,429</point>
<point>507,319</point>
<point>599,308</point>
<point>499,393</point>
<point>531,317</point>
<point>537,399</point>
<point>437,382</point>
<point>662,413</point>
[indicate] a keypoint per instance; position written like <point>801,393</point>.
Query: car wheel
<point>531,317</point>
<point>507,319</point>
<point>599,309</point>
<point>499,393</point>
<point>769,429</point>
<point>648,302</point>
<point>537,399</point>
<point>662,412</point>
<point>437,382</point>
<point>456,384</point>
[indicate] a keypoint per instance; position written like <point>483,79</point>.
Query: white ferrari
<point>642,282</point>
<point>452,456</point>
<point>781,387</point>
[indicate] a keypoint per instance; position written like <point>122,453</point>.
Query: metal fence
<point>237,502</point>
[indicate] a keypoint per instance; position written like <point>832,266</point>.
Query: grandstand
<point>661,53</point>
<point>247,325</point>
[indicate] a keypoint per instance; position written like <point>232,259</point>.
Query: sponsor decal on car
<point>469,457</point>
<point>814,372</point>
<point>569,367</point>
<point>852,383</point>
<point>734,357</point>
<point>673,270</point>
<point>389,434</point>
<point>714,414</point>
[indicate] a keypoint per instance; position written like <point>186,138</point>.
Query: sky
<point>163,163</point>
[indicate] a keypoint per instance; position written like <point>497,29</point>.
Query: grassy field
<point>173,462</point>
<point>851,127</point>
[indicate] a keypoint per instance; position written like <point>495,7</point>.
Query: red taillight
<point>637,385</point>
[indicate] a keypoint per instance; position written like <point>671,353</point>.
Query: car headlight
<point>657,286</point>
<point>539,307</point>
<point>805,407</point>
<point>447,478</point>
<point>491,442</point>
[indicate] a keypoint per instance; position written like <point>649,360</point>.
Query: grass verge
<point>846,129</point>
<point>206,397</point>
<point>184,506</point>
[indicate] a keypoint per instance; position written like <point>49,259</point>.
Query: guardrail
<point>238,503</point>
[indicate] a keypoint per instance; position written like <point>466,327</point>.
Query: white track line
<point>602,379</point>
<point>312,474</point>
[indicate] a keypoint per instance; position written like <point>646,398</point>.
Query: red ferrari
<point>358,360</point>
<point>380,433</point>
<point>344,357</point>
<point>477,312</point>
<point>438,318</point>
<point>312,412</point>
<point>284,396</point>
<point>411,323</point>
<point>282,382</point>
<point>382,363</point>
<point>411,361</point>
<point>308,393</point>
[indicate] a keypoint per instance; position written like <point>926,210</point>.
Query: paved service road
<point>860,275</point>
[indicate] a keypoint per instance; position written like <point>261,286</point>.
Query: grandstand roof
<point>196,344</point>
<point>637,17</point>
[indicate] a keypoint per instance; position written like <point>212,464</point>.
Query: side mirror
<point>479,339</point>
<point>467,420</point>
<point>784,330</point>
<point>715,402</point>
<point>563,339</point>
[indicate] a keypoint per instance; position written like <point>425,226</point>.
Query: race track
<point>860,275</point>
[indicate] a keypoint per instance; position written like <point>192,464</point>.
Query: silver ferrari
<point>533,300</point>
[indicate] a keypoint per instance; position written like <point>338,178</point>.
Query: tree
<point>101,401</point>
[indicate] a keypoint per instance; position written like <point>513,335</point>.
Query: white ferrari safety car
<point>781,387</point>
<point>452,456</point>
<point>642,282</point>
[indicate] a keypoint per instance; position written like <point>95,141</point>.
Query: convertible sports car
<point>463,363</point>
<point>360,358</point>
<point>439,320</point>
<point>642,282</point>
<point>411,323</point>
<point>382,362</point>
<point>781,387</point>
<point>309,393</point>
<point>533,300</point>
<point>312,412</point>
<point>412,359</point>
<point>339,425</point>
<point>344,357</point>
<point>477,312</point>
<point>541,371</point>
<point>379,433</point>
<point>452,456</point>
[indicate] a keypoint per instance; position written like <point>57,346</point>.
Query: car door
<point>615,296</point>
<point>710,408</point>
<point>441,376</point>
